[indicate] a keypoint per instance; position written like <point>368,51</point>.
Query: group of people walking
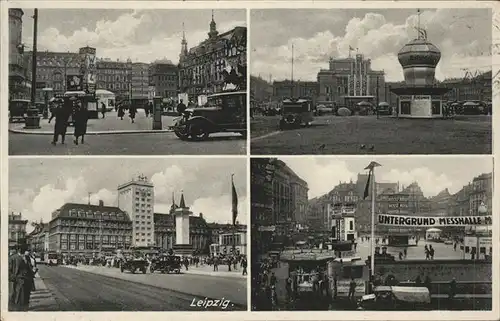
<point>22,272</point>
<point>62,111</point>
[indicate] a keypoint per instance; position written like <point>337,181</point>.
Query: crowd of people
<point>22,272</point>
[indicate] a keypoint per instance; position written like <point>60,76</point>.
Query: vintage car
<point>223,112</point>
<point>18,109</point>
<point>167,264</point>
<point>396,298</point>
<point>133,265</point>
<point>296,113</point>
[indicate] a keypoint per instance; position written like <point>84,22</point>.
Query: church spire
<point>213,28</point>
<point>184,44</point>
<point>173,206</point>
<point>182,204</point>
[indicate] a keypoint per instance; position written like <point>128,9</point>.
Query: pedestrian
<point>352,289</point>
<point>132,111</point>
<point>121,111</point>
<point>428,283</point>
<point>228,261</point>
<point>80,119</point>
<point>427,253</point>
<point>61,113</point>
<point>181,108</point>
<point>21,279</point>
<point>431,252</point>
<point>273,280</point>
<point>216,264</point>
<point>405,252</point>
<point>186,263</point>
<point>103,110</point>
<point>235,264</point>
<point>455,246</point>
<point>400,256</point>
<point>453,288</point>
<point>244,266</point>
<point>288,289</point>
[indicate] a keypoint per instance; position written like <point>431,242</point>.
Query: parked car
<point>133,265</point>
<point>223,112</point>
<point>324,110</point>
<point>18,109</point>
<point>167,264</point>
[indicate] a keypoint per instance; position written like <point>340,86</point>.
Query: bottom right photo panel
<point>371,233</point>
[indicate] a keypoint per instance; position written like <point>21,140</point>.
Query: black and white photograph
<point>390,234</point>
<point>127,82</point>
<point>128,234</point>
<point>371,81</point>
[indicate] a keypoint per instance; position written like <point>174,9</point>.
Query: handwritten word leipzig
<point>401,220</point>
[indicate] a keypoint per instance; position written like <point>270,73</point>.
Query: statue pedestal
<point>183,249</point>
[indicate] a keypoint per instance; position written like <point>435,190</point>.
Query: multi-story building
<point>351,80</point>
<point>441,204</point>
<point>19,82</point>
<point>140,81</point>
<point>53,69</point>
<point>481,193</point>
<point>17,230</point>
<point>261,89</point>
<point>164,78</point>
<point>201,68</point>
<point>85,230</point>
<point>295,89</point>
<point>115,76</point>
<point>38,239</point>
<point>136,198</point>
<point>477,88</point>
<point>229,243</point>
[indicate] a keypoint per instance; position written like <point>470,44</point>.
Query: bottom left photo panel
<point>111,234</point>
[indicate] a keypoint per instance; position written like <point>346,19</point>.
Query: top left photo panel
<point>127,82</point>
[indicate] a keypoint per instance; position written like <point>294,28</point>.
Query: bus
<point>52,258</point>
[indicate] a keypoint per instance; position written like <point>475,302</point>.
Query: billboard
<point>424,221</point>
<point>74,83</point>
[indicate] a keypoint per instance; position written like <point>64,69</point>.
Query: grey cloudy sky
<point>39,186</point>
<point>433,174</point>
<point>142,35</point>
<point>464,37</point>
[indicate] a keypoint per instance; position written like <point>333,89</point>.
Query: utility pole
<point>33,59</point>
<point>292,75</point>
<point>376,107</point>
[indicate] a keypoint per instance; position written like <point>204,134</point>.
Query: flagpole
<point>372,238</point>
<point>234,221</point>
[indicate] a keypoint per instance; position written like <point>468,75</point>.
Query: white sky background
<point>141,35</point>
<point>462,35</point>
<point>37,187</point>
<point>433,174</point>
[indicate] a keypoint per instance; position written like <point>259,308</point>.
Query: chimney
<point>101,203</point>
<point>201,215</point>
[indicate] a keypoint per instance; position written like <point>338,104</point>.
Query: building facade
<point>136,198</point>
<point>38,239</point>
<point>140,80</point>
<point>19,82</point>
<point>53,70</point>
<point>350,80</point>
<point>295,89</point>
<point>481,193</point>
<point>115,76</point>
<point>476,88</point>
<point>230,243</point>
<point>17,230</point>
<point>85,230</point>
<point>201,68</point>
<point>164,78</point>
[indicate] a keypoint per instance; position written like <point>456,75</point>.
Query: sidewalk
<point>111,124</point>
<point>209,270</point>
<point>42,299</point>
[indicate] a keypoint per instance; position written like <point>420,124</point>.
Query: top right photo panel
<point>366,81</point>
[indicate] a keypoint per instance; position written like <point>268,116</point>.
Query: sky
<point>463,36</point>
<point>37,187</point>
<point>433,174</point>
<point>141,35</point>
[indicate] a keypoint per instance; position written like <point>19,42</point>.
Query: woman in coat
<point>132,112</point>
<point>121,111</point>
<point>80,118</point>
<point>61,113</point>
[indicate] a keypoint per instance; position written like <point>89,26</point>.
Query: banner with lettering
<point>429,221</point>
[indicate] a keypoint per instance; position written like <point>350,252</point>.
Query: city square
<point>133,244</point>
<point>314,245</point>
<point>180,90</point>
<point>391,81</point>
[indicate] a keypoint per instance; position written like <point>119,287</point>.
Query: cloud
<point>219,209</point>
<point>430,182</point>
<point>464,43</point>
<point>167,181</point>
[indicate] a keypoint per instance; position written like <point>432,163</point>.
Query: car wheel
<point>199,132</point>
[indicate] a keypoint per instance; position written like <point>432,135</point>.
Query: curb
<point>41,296</point>
<point>110,132</point>
<point>239,305</point>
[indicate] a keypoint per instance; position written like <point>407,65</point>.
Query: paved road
<point>128,144</point>
<point>76,290</point>
<point>345,135</point>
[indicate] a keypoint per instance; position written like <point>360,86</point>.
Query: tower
<point>183,244</point>
<point>213,28</point>
<point>137,199</point>
<point>184,44</point>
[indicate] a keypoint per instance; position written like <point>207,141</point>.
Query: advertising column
<point>88,69</point>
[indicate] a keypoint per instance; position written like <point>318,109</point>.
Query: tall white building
<point>137,199</point>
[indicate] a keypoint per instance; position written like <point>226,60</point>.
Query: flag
<point>351,48</point>
<point>235,201</point>
<point>370,167</point>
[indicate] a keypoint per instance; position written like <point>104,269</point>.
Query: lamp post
<point>32,120</point>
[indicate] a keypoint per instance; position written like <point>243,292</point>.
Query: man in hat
<point>21,276</point>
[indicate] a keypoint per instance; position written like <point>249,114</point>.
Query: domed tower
<point>420,96</point>
<point>419,59</point>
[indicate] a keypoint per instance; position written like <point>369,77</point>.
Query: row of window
<point>96,238</point>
